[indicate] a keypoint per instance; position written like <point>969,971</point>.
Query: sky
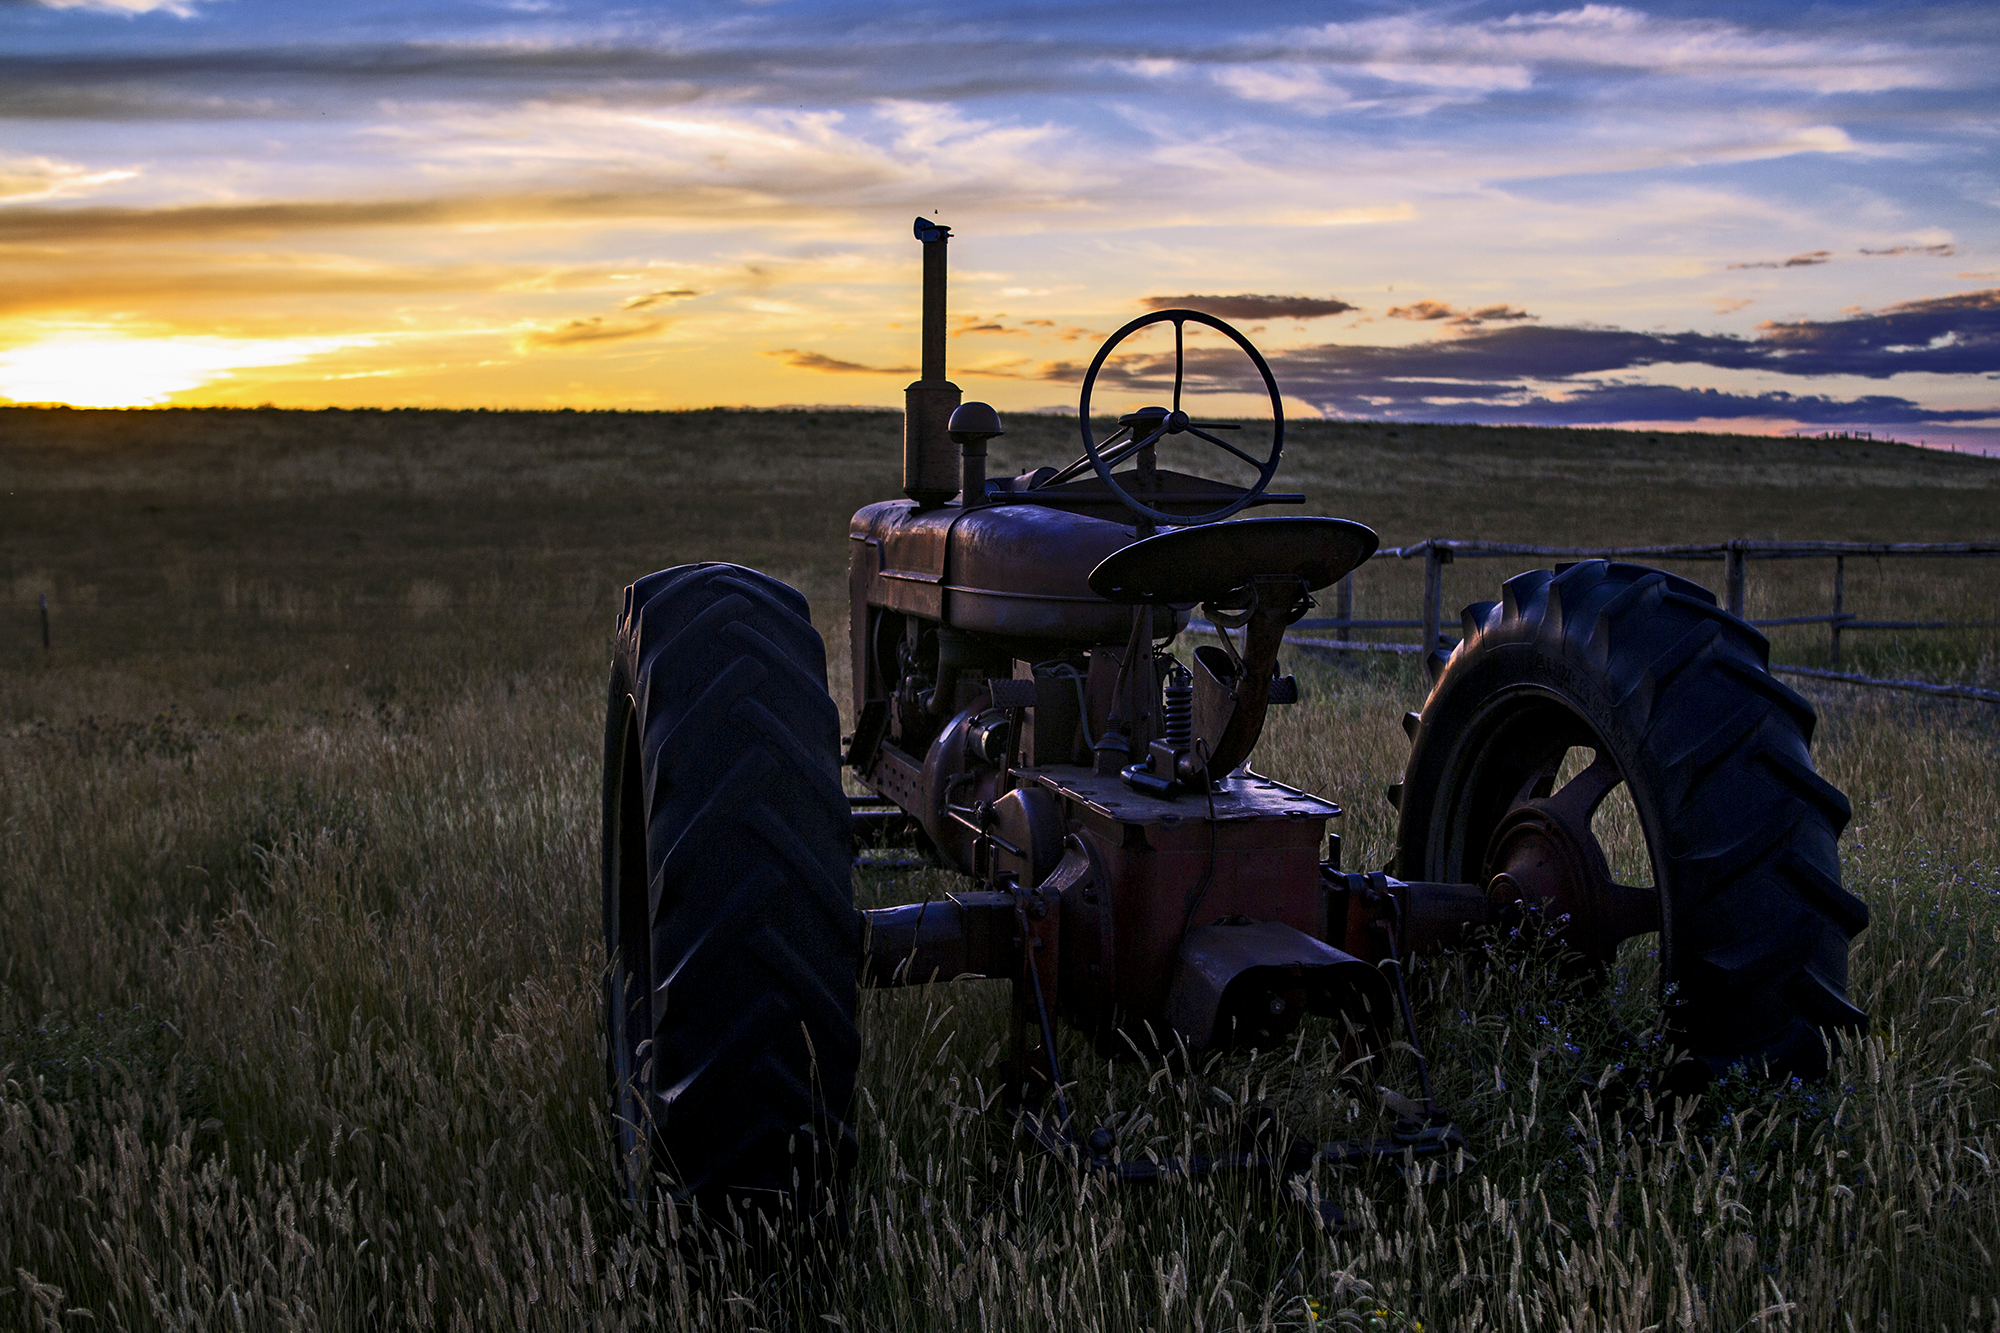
<point>1751,216</point>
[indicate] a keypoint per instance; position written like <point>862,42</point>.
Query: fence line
<point>1736,554</point>
<point>1437,552</point>
<point>1917,686</point>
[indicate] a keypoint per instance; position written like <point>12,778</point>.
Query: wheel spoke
<point>1627,910</point>
<point>1582,794</point>
<point>1217,425</point>
<point>1180,330</point>
<point>1539,783</point>
<point>1224,444</point>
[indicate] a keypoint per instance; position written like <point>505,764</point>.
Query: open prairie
<point>299,953</point>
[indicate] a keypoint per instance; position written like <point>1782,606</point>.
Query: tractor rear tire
<point>729,923</point>
<point>1740,831</point>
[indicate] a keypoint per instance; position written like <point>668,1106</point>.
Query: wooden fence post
<point>1343,605</point>
<point>1732,579</point>
<point>1839,594</point>
<point>1436,556</point>
<point>45,622</point>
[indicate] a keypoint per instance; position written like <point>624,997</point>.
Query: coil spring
<point>1178,728</point>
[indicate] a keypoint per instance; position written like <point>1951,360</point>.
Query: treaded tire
<point>1740,830</point>
<point>728,913</point>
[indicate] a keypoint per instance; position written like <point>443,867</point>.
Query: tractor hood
<point>1010,569</point>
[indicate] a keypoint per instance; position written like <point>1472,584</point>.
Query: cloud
<point>173,281</point>
<point>1253,307</point>
<point>1400,64</point>
<point>1493,374</point>
<point>1606,404</point>
<point>1947,335</point>
<point>211,222</point>
<point>818,361</point>
<point>590,332</point>
<point>661,297</point>
<point>1806,260</point>
<point>1427,310</point>
<point>178,8</point>
<point>1422,310</point>
<point>1508,53</point>
<point>1941,251</point>
<point>1495,314</point>
<point>26,179</point>
<point>1303,87</point>
<point>1061,372</point>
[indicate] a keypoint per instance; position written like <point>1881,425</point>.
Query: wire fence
<point>1735,555</point>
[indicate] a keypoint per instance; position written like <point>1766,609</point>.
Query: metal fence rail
<point>1437,552</point>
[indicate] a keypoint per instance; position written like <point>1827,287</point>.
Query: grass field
<point>298,912</point>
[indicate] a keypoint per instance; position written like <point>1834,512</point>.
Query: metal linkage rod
<point>1761,550</point>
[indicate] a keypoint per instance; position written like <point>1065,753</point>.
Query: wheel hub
<point>1545,857</point>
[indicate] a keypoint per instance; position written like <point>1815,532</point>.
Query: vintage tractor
<point>1016,694</point>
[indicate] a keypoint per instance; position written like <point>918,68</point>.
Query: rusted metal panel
<point>1251,796</point>
<point>1162,870</point>
<point>1259,977</point>
<point>909,550</point>
<point>1024,571</point>
<point>1014,570</point>
<point>897,776</point>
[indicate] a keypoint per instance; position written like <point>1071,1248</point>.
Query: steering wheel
<point>1149,425</point>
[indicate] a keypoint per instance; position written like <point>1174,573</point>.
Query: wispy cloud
<point>1814,258</point>
<point>591,332</point>
<point>1507,52</point>
<point>1939,251</point>
<point>178,8</point>
<point>1609,404</point>
<point>30,179</point>
<point>661,297</point>
<point>1429,310</point>
<point>1254,307</point>
<point>799,360</point>
<point>264,221</point>
<point>1806,260</point>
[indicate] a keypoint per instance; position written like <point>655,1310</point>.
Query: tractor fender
<point>1243,982</point>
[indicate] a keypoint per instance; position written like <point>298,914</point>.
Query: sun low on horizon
<point>1743,217</point>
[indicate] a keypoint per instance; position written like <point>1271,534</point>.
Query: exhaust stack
<point>930,459</point>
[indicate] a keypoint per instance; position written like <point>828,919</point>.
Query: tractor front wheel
<point>728,913</point>
<point>1597,675</point>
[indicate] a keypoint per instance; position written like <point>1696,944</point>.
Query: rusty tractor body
<point>1018,696</point>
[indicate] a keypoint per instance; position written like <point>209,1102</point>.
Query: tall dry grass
<point>298,969</point>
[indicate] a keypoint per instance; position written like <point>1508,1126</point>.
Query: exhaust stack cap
<point>931,232</point>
